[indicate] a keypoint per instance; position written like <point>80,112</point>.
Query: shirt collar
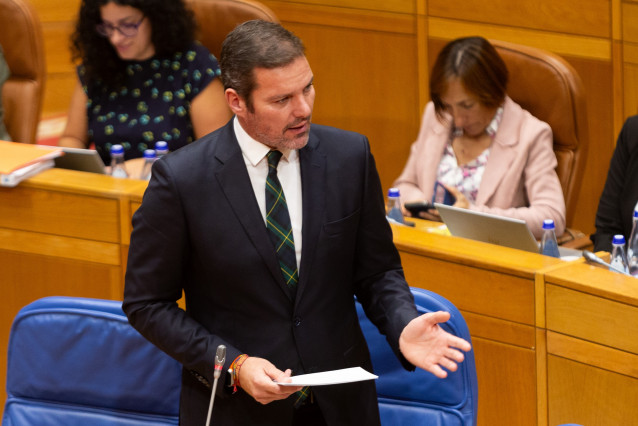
<point>254,150</point>
<point>492,128</point>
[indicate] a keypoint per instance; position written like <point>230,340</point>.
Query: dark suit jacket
<point>619,197</point>
<point>199,230</point>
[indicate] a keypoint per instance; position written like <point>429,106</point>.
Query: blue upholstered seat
<point>420,398</point>
<point>74,361</point>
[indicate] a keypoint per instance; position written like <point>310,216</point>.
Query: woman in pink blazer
<point>488,152</point>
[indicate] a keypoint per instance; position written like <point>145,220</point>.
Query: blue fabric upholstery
<point>418,397</point>
<point>74,361</point>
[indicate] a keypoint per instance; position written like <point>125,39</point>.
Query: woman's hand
<point>461,201</point>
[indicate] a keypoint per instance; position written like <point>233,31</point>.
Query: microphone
<point>220,357</point>
<point>595,259</point>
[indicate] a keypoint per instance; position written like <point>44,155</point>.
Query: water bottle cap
<point>117,149</point>
<point>393,192</point>
<point>161,145</point>
<point>618,239</point>
<point>149,153</point>
<point>548,224</point>
<point>635,214</point>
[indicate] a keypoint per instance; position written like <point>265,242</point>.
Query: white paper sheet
<point>334,377</point>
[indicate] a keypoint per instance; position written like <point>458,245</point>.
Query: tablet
<point>84,160</point>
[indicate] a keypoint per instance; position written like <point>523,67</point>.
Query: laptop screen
<point>494,229</point>
<point>489,228</point>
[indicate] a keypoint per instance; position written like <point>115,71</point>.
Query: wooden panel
<point>59,213</point>
<point>592,318</point>
<point>57,47</point>
<point>490,328</point>
<point>361,90</point>
<point>585,352</point>
<point>578,393</point>
<point>507,384</point>
<point>399,6</point>
<point>57,93</point>
<point>375,20</point>
<point>630,80</point>
<point>630,22</point>
<point>58,246</point>
<point>51,11</point>
<point>487,292</point>
<point>596,281</point>
<point>585,17</point>
<point>564,44</point>
<point>597,76</point>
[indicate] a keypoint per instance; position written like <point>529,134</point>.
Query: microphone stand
<point>591,257</point>
<point>220,357</point>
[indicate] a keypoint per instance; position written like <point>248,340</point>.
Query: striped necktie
<point>278,223</point>
<point>280,232</point>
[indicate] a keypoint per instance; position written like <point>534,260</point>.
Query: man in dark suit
<point>203,228</point>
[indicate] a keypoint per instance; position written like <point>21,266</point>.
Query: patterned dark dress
<point>153,105</point>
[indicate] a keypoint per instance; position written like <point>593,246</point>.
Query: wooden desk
<point>496,290</point>
<point>555,342</point>
<point>62,233</point>
<point>592,346</point>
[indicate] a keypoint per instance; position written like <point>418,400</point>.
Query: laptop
<point>494,229</point>
<point>84,160</point>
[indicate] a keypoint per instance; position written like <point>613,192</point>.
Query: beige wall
<point>371,61</point>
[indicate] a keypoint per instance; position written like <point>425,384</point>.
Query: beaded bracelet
<point>234,370</point>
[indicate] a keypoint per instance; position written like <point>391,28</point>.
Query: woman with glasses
<point>142,78</point>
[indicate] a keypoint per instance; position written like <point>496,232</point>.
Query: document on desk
<point>334,377</point>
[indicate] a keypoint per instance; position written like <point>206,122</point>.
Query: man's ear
<point>235,102</point>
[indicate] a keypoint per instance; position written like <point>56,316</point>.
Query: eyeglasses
<point>126,29</point>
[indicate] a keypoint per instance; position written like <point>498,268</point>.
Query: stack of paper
<point>19,161</point>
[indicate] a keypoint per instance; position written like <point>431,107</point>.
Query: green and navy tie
<point>280,232</point>
<point>278,223</point>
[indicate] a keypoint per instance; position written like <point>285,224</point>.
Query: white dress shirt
<point>288,172</point>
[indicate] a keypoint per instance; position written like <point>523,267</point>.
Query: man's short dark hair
<point>256,44</point>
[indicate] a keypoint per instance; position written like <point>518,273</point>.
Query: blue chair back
<point>77,362</point>
<point>418,397</point>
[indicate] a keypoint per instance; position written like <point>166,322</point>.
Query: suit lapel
<point>313,190</point>
<point>233,178</point>
<point>502,154</point>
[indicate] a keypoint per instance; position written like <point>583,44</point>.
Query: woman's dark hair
<point>478,66</point>
<point>172,26</point>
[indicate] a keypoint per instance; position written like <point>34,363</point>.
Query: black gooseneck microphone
<point>220,357</point>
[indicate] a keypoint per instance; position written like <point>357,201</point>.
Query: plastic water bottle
<point>161,148</point>
<point>118,169</point>
<point>149,159</point>
<point>632,246</point>
<point>618,258</point>
<point>549,245</point>
<point>393,206</point>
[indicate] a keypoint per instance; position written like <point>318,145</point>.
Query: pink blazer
<point>519,181</point>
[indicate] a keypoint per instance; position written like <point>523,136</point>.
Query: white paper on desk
<point>334,377</point>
